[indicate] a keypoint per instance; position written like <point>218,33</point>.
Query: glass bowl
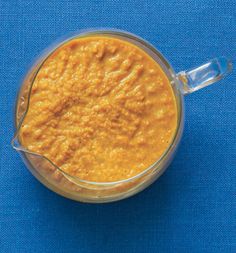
<point>98,192</point>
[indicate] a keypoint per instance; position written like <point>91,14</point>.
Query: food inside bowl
<point>101,109</point>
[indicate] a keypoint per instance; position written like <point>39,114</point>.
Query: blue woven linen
<point>192,207</point>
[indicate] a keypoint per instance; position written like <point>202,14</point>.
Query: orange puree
<point>101,109</point>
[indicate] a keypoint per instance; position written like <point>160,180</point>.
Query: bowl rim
<point>120,34</point>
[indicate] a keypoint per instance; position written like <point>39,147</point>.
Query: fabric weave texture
<point>192,207</point>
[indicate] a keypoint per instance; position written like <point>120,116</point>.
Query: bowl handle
<point>197,78</point>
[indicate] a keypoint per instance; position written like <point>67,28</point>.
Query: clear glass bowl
<point>97,192</point>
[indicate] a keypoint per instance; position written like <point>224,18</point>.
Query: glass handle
<point>204,75</point>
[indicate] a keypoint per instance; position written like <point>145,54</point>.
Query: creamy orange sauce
<point>101,109</point>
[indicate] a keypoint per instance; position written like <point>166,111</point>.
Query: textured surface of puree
<point>100,109</point>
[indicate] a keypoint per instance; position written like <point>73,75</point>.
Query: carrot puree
<point>101,109</point>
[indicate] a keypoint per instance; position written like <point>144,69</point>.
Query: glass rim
<point>38,63</point>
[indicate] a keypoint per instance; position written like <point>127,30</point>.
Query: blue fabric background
<point>192,207</point>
